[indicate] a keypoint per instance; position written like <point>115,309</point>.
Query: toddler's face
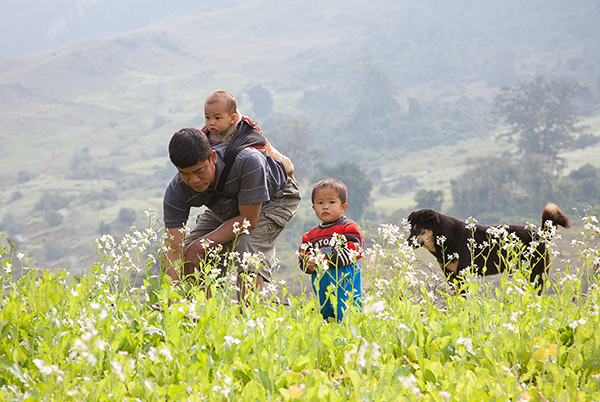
<point>217,119</point>
<point>327,205</point>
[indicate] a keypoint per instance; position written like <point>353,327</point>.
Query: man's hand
<point>192,257</point>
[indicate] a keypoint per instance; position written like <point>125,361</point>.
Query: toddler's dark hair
<point>335,184</point>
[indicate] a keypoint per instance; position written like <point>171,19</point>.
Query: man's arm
<point>174,253</point>
<point>224,233</point>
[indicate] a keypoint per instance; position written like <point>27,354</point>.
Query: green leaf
<point>429,376</point>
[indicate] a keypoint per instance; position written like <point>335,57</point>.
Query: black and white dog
<point>457,245</point>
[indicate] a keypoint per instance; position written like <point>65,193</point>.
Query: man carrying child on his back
<point>329,251</point>
<point>237,181</point>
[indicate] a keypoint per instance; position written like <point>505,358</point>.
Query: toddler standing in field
<point>329,251</point>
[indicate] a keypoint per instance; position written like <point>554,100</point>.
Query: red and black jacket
<point>320,239</point>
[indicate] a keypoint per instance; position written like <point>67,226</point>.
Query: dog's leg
<point>540,264</point>
<point>452,278</point>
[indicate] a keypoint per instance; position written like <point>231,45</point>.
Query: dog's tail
<point>552,213</point>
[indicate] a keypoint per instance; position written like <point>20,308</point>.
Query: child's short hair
<point>335,184</point>
<point>222,96</point>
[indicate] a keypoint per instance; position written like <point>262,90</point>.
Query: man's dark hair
<point>189,146</point>
<point>335,184</point>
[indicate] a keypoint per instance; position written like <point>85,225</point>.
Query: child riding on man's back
<point>222,120</point>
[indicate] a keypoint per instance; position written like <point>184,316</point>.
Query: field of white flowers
<point>97,337</point>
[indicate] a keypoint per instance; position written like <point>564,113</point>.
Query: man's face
<point>217,118</point>
<point>200,176</point>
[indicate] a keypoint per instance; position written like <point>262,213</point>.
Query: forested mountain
<point>384,84</point>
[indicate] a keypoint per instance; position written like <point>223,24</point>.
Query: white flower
<point>7,266</point>
<point>368,352</point>
<point>243,229</point>
<point>49,369</point>
<point>166,353</point>
<point>391,233</point>
<point>148,384</point>
<point>577,323</point>
<point>222,390</point>
<point>467,343</point>
<point>230,340</point>
<point>46,370</point>
<point>118,370</point>
<point>205,243</point>
<point>471,223</point>
<point>376,307</point>
<point>80,344</point>
<point>91,359</point>
<point>410,383</point>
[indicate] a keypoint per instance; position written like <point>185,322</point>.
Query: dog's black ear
<point>429,215</point>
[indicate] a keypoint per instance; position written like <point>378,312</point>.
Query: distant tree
<point>52,218</point>
<point>103,228</point>
<point>375,174</point>
<point>17,195</point>
<point>54,250</point>
<point>24,177</point>
<point>11,225</point>
<point>262,103</point>
<point>485,187</point>
<point>405,183</point>
<point>414,108</point>
<point>586,140</point>
<point>127,216</point>
<point>81,158</point>
<point>95,172</point>
<point>540,114</point>
<point>431,199</point>
<point>293,138</point>
<point>585,182</point>
<point>159,121</point>
<point>377,111</point>
<point>106,195</point>
<point>536,181</point>
<point>52,201</point>
<point>359,185</point>
<point>493,189</point>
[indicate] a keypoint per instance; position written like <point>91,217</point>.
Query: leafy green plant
<point>98,337</point>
